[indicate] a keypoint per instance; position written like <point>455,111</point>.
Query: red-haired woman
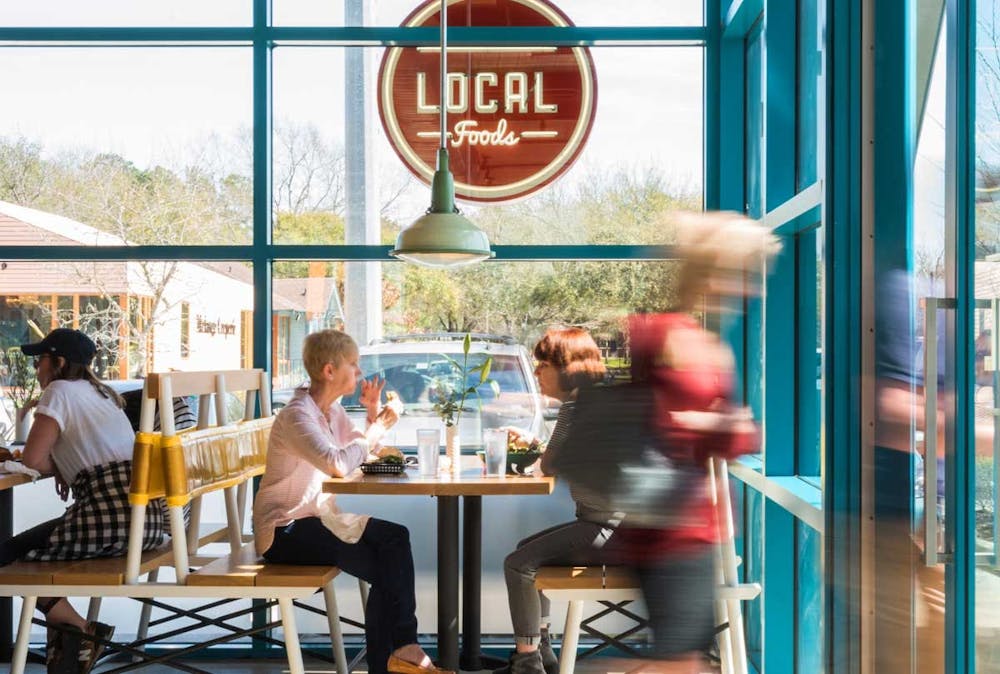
<point>568,359</point>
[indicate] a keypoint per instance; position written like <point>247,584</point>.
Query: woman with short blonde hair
<point>296,523</point>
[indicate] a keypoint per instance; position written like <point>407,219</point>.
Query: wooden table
<point>471,486</point>
<point>7,480</point>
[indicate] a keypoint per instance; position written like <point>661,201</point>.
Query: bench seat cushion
<point>246,568</point>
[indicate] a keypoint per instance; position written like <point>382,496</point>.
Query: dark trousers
<point>577,543</point>
<point>680,591</point>
<point>33,539</point>
<point>382,557</point>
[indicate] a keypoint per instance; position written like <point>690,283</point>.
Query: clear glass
<point>119,145</point>
<point>642,160</point>
<point>495,451</point>
<point>579,12</point>
<point>428,451</point>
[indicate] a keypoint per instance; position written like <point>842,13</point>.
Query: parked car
<point>412,365</point>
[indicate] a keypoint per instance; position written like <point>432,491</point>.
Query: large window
<point>193,167</point>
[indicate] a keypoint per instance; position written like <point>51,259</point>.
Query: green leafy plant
<point>17,374</point>
<point>452,391</point>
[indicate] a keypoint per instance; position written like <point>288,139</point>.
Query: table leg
<point>447,512</point>
<point>6,604</point>
<point>472,563</point>
<point>472,586</point>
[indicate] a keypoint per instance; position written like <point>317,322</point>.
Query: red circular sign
<point>517,117</point>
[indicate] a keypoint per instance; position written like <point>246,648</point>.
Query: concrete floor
<point>595,665</point>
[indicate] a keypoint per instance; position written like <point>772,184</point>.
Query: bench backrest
<point>181,466</point>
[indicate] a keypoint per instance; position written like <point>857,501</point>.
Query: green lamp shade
<point>442,240</point>
<point>442,237</point>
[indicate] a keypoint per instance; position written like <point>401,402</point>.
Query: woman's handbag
<point>615,454</point>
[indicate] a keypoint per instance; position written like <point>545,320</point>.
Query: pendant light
<point>442,237</point>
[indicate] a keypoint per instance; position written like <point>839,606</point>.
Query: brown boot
<point>92,643</point>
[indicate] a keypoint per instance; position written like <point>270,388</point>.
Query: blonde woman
<point>296,523</point>
<point>691,371</point>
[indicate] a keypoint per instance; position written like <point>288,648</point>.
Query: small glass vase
<point>453,449</point>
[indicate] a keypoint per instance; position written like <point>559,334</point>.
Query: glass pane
<point>807,103</point>
<point>511,302</point>
<point>117,13</point>
<point>987,355</point>
<point>113,146</point>
<point>133,311</point>
<point>579,12</point>
<point>608,196</point>
<point>809,325</point>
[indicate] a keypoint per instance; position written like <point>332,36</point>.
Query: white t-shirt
<point>94,431</point>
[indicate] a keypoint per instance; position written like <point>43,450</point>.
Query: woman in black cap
<point>82,437</point>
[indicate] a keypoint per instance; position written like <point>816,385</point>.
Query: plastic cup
<point>428,451</point>
<point>495,450</point>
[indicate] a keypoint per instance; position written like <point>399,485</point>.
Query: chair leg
<point>235,524</point>
<point>336,635</point>
<point>94,609</point>
<point>144,615</point>
<point>571,637</point>
<point>20,655</point>
<point>736,636</point>
<point>292,647</point>
<point>723,639</point>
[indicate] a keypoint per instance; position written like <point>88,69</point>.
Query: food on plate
<point>391,458</point>
<point>517,443</point>
<point>388,451</point>
<point>393,401</point>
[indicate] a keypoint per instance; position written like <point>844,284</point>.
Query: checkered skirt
<point>97,523</point>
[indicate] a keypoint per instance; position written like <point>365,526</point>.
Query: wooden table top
<point>8,480</point>
<point>471,482</point>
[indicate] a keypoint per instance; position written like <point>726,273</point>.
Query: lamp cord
<point>444,74</point>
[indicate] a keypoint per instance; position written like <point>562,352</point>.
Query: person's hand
<point>62,489</point>
<point>371,395</point>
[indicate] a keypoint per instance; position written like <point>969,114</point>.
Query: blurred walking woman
<point>691,371</point>
<point>82,437</point>
<point>296,523</point>
<point>568,359</point>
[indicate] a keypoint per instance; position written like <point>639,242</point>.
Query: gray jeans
<point>576,543</point>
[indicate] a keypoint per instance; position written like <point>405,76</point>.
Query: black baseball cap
<point>72,345</point>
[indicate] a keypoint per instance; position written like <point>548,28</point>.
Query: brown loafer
<point>398,666</point>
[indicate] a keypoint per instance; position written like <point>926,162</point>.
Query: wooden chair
<point>614,586</point>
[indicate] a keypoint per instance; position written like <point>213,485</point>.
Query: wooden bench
<point>224,458</point>
<point>183,467</point>
<point>613,585</point>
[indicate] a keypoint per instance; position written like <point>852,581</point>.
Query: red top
<point>697,385</point>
